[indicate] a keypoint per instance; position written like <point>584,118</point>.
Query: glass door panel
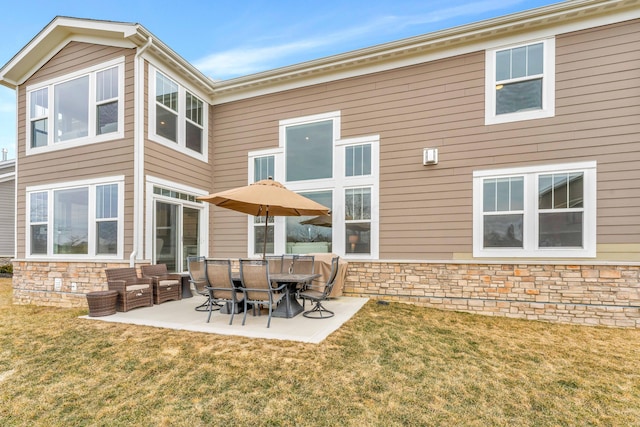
<point>190,234</point>
<point>166,235</point>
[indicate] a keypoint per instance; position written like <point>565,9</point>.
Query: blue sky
<point>226,39</point>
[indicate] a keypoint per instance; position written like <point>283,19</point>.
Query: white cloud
<point>251,59</point>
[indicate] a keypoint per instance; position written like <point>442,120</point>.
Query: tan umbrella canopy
<point>266,198</point>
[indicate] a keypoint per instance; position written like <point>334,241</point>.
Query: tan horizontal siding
<point>426,212</point>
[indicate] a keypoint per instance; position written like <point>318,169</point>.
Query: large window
<point>85,107</point>
<point>341,174</point>
<point>309,151</point>
<point>536,211</point>
<point>179,116</point>
<point>520,82</point>
<point>76,219</point>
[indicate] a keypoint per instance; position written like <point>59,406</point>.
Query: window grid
<point>175,194</point>
<point>358,160</point>
<point>166,92</point>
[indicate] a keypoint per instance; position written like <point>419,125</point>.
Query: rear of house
<point>488,168</point>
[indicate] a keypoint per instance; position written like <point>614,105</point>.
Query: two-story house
<point>488,168</point>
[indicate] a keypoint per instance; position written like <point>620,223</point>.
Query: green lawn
<point>391,365</point>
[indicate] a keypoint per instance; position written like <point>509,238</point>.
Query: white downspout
<point>15,171</point>
<point>138,152</point>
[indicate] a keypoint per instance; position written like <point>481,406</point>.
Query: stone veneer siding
<point>607,295</point>
<point>34,282</point>
<point>588,294</point>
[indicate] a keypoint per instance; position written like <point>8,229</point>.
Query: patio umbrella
<point>265,198</point>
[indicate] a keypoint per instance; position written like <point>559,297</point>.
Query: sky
<point>232,38</point>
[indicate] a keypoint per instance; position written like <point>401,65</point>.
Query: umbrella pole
<point>266,234</point>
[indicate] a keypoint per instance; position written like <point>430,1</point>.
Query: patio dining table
<point>289,307</point>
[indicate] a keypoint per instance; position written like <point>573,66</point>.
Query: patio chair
<point>276,263</point>
<point>303,264</point>
<point>220,286</point>
<point>133,291</point>
<point>198,277</point>
<point>166,286</point>
<point>257,286</point>
<point>318,294</point>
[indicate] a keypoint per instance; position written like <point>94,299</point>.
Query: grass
<point>391,365</point>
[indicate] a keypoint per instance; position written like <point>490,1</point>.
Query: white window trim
<point>548,85</point>
<point>92,137</point>
<point>530,231</point>
<point>91,184</point>
<point>180,145</point>
<point>153,181</point>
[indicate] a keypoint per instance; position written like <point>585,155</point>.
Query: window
<point>107,101</point>
<point>263,168</point>
<point>38,222</point>
<point>358,160</point>
<point>309,150</point>
<point>86,108</point>
<point>341,174</point>
<point>536,211</point>
<point>179,118</point>
<point>76,219</point>
<point>357,202</point>
<point>520,82</point>
<point>107,219</point>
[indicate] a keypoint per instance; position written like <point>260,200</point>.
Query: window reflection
<point>309,151</point>
<point>310,238</point>
<point>71,109</point>
<point>70,221</point>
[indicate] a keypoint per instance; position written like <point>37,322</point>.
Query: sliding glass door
<point>177,231</point>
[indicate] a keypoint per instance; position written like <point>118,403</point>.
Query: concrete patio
<point>183,316</point>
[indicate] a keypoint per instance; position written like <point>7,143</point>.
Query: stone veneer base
<point>607,295</point>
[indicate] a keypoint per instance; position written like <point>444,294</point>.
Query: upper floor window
<point>535,211</point>
<point>358,160</point>
<point>178,117</point>
<point>520,82</point>
<point>309,150</point>
<point>83,107</point>
<point>76,219</point>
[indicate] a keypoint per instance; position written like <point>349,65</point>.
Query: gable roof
<point>62,30</point>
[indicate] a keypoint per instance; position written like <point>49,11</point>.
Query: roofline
<point>430,46</point>
<point>541,22</point>
<point>62,30</point>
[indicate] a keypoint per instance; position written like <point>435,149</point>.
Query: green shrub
<point>7,268</point>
